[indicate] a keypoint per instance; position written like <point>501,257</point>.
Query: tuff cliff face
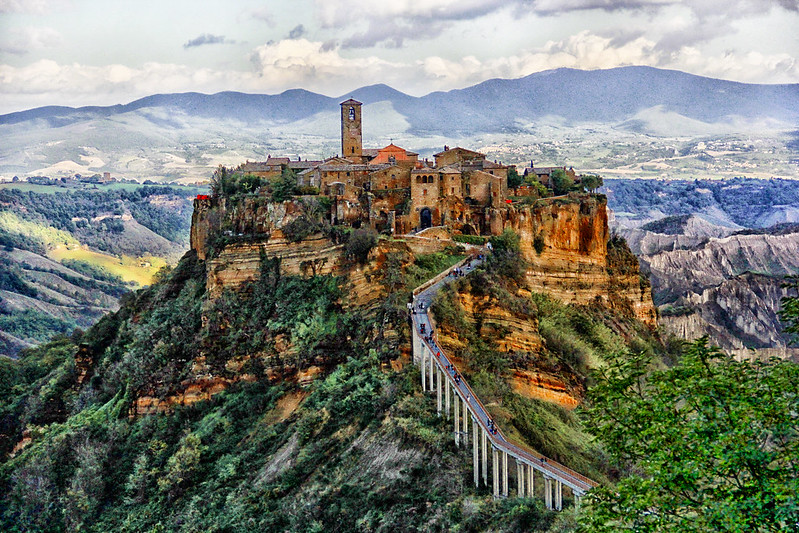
<point>566,242</point>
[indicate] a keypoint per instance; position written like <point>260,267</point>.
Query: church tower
<point>351,136</point>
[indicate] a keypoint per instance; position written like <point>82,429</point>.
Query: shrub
<point>300,228</point>
<point>360,243</point>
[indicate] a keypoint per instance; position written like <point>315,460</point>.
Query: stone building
<point>391,190</point>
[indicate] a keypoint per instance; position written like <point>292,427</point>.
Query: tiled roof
<point>351,101</point>
<point>460,150</point>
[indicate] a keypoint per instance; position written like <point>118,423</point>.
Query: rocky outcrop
<point>738,314</point>
<point>727,288</point>
<point>565,240</point>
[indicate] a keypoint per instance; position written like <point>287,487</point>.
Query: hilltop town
<point>393,191</point>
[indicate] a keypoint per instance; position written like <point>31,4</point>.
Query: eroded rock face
<point>727,288</point>
<point>565,241</point>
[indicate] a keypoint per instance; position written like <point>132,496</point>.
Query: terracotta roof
<point>370,152</point>
<point>277,160</point>
<point>351,101</point>
<point>491,164</point>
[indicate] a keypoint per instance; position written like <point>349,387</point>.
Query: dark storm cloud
<point>207,38</point>
<point>297,32</point>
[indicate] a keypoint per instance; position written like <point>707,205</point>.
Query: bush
<point>470,239</point>
<point>538,244</point>
<point>360,243</point>
<point>300,228</point>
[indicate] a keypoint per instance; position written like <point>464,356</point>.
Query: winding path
<point>439,372</point>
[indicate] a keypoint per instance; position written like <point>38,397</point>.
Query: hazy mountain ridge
<point>185,135</point>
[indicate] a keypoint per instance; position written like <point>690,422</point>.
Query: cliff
<point>567,244</point>
<point>727,288</point>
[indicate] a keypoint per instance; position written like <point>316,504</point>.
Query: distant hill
<point>183,136</point>
<point>613,95</point>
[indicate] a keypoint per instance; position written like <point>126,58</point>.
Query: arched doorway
<point>425,218</point>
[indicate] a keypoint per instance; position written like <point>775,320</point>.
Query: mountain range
<point>184,135</point>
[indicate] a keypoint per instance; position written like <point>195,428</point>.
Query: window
<point>352,150</point>
<point>424,192</point>
<point>453,190</point>
<point>348,174</point>
<point>352,113</point>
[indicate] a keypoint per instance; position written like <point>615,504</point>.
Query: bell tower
<point>351,136</point>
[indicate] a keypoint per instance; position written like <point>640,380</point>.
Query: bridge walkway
<point>456,399</point>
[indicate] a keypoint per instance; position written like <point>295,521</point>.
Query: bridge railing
<point>499,440</point>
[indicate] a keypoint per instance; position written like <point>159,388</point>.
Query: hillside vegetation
<point>67,257</point>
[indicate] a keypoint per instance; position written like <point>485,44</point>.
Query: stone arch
<point>425,218</point>
<point>467,229</point>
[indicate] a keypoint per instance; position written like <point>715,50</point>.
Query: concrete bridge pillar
<point>465,421</point>
<point>424,367</point>
<point>457,422</point>
<point>475,454</point>
<point>558,495</point>
<point>520,467</point>
<point>438,390</point>
<point>504,474</point>
<point>577,497</point>
<point>495,470</point>
<point>485,455</point>
<point>530,481</point>
<point>447,388</point>
<point>430,358</point>
<point>548,491</point>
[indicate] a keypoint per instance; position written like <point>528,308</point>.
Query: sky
<point>105,52</point>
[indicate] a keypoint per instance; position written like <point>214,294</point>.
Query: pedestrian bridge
<point>456,400</point>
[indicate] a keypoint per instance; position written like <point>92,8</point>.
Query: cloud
<point>20,41</point>
<point>207,38</point>
<point>318,66</point>
<point>263,14</point>
<point>297,32</point>
<point>38,7</point>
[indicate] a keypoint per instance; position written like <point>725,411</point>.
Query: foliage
<point>11,279</point>
<point>33,325</point>
<point>506,257</point>
<point>711,443</point>
<point>789,312</point>
<point>538,243</point>
<point>621,261</point>
<point>93,271</point>
<point>514,179</point>
<point>360,243</point>
<point>591,182</point>
<point>300,228</point>
<point>561,182</point>
<point>470,239</point>
<point>284,187</point>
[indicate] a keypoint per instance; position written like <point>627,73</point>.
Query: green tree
<point>592,182</point>
<point>285,187</point>
<point>561,182</point>
<point>514,179</point>
<point>790,308</point>
<point>712,444</point>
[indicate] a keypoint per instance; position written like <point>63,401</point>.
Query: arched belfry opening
<point>351,130</point>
